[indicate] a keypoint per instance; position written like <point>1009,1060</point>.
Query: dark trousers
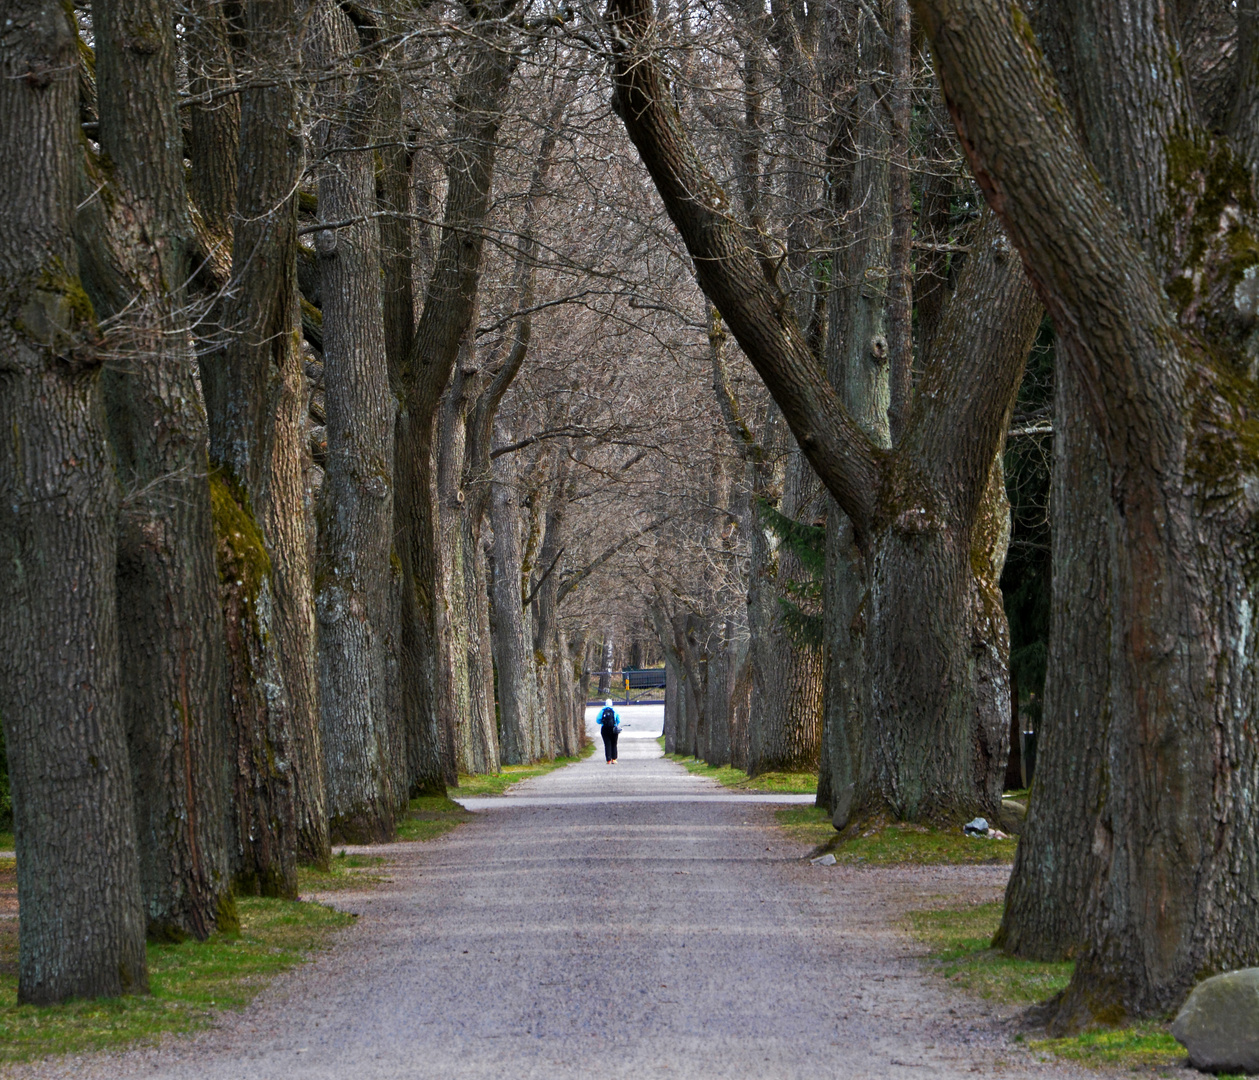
<point>609,743</point>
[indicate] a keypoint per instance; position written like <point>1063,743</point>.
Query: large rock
<point>1219,1024</point>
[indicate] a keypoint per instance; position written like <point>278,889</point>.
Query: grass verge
<point>7,842</point>
<point>882,844</point>
<point>344,872</point>
<point>959,940</point>
<point>190,982</point>
<point>804,783</point>
<point>431,816</point>
<point>497,783</point>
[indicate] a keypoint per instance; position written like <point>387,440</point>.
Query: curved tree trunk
<point>1135,251</point>
<point>1056,867</point>
<point>356,499</point>
<point>82,928</point>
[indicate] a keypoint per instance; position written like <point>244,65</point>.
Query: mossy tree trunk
<point>82,927</point>
<point>134,241</point>
<point>1138,229</point>
<point>355,511</point>
<point>255,394</point>
<point>916,509</point>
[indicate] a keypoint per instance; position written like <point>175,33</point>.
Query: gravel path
<point>562,937</point>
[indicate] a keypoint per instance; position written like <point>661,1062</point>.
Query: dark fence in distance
<point>636,678</point>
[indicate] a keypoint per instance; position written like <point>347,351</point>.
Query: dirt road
<point>612,921</point>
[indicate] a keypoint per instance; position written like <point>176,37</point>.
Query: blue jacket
<point>616,720</point>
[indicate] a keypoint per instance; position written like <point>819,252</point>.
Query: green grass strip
<point>190,982</point>
<point>893,844</point>
<point>431,816</point>
<point>497,783</point>
<point>792,783</point>
<point>959,939</point>
<point>344,872</point>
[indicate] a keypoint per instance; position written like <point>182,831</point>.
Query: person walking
<point>609,728</point>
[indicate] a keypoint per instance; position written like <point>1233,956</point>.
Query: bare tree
<point>82,927</point>
<point>1136,224</point>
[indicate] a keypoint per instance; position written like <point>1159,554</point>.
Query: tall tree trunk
<point>394,190</point>
<point>605,665</point>
<point>1135,251</point>
<point>356,499</point>
<point>454,629</point>
<point>255,394</point>
<point>548,651</point>
<point>513,654</point>
<point>483,732</point>
<point>672,701</point>
<point>948,657</point>
<point>82,928</point>
<point>1057,866</point>
<point>916,509</point>
<point>786,722</point>
<point>419,382</point>
<point>721,679</point>
<point>398,769</point>
<point>857,365</point>
<point>541,734</point>
<point>215,121</point>
<point>740,708</point>
<point>134,243</point>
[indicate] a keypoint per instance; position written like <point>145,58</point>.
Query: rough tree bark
<point>483,733</point>
<point>513,652</point>
<point>1138,241</point>
<point>786,718</point>
<point>255,395</point>
<point>355,512</point>
<point>134,241</point>
<point>449,303</point>
<point>394,191</point>
<point>1056,868</point>
<point>917,511</point>
<point>82,927</point>
<point>549,650</point>
<point>454,691</point>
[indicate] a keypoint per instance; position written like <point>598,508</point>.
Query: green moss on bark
<point>242,556</point>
